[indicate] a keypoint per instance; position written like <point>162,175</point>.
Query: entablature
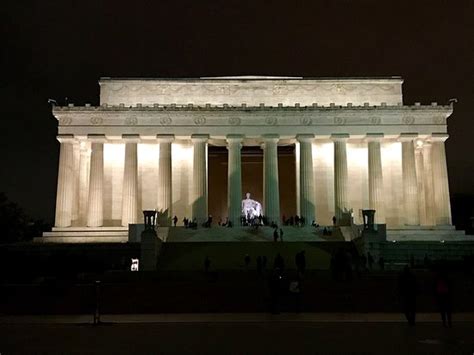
<point>224,119</point>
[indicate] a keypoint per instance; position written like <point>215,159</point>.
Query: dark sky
<point>58,48</point>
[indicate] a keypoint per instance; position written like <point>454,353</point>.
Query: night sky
<point>57,49</point>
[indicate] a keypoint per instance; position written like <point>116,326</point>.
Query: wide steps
<point>230,256</point>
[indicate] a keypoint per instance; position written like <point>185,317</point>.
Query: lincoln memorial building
<point>191,148</point>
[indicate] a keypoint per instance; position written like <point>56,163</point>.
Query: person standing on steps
<point>370,260</point>
<point>207,264</point>
<point>275,235</point>
<point>443,297</point>
<point>175,220</point>
<point>407,287</point>
<point>247,261</point>
<point>281,235</point>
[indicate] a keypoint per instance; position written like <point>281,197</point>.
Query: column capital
<point>307,138</point>
<point>407,137</point>
<point>65,138</point>
<point>97,138</point>
<point>200,138</point>
<point>234,138</point>
<point>165,138</point>
<point>427,144</point>
<point>438,137</point>
<point>418,145</point>
<point>270,136</point>
<point>273,138</point>
<point>131,138</point>
<point>374,137</point>
<point>339,137</point>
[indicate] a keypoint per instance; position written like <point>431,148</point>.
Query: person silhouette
<point>407,289</point>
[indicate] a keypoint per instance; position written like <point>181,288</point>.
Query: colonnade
<point>424,176</point>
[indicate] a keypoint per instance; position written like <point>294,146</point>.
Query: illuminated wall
<point>393,183</point>
<point>323,167</point>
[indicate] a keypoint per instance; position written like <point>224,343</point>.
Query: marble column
<point>410,194</point>
<point>199,206</point>
<point>306,183</point>
<point>440,179</point>
<point>341,200</point>
<point>270,183</point>
<point>234,181</point>
<point>95,212</point>
<point>76,184</point>
<point>65,187</point>
<point>376,200</point>
<point>429,184</point>
<point>420,179</point>
<point>297,180</point>
<point>84,167</point>
<point>130,180</point>
<point>164,201</point>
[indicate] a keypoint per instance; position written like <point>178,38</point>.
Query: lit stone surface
<point>200,178</point>
<point>164,181</point>
<point>357,153</point>
<point>340,176</point>
<point>130,182</point>
<point>306,177</point>
<point>429,184</point>
<point>440,180</point>
<point>409,180</point>
<point>95,216</point>
<point>271,204</point>
<point>234,173</point>
<point>252,90</point>
<point>376,201</point>
<point>420,179</point>
<point>64,196</point>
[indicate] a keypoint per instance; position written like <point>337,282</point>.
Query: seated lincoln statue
<point>250,208</point>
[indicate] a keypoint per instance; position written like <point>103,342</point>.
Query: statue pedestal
<point>149,250</point>
<point>150,244</point>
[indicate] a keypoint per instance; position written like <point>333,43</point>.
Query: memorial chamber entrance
<point>252,179</point>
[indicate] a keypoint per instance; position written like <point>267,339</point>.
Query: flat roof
<point>254,77</point>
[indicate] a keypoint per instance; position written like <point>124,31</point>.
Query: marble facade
<point>357,146</point>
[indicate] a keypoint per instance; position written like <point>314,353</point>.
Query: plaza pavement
<point>237,334</point>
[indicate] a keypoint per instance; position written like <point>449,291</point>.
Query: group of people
<point>277,233</point>
<point>344,263</point>
<point>442,293</point>
<point>188,223</point>
<point>294,221</point>
<point>193,224</point>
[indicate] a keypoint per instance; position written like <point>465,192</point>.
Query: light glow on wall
<point>114,154</point>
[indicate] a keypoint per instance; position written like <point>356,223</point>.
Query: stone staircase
<point>85,235</point>
<point>185,256</point>
<point>245,234</point>
<point>420,233</point>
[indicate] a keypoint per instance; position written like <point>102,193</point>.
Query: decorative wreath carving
<point>200,121</point>
<point>165,120</point>
<point>375,120</point>
<point>131,121</point>
<point>438,120</point>
<point>65,121</point>
<point>339,120</point>
<point>271,121</point>
<point>408,120</point>
<point>306,121</point>
<point>97,120</point>
<point>234,121</point>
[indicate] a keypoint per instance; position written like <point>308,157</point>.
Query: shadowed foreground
<point>255,337</point>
